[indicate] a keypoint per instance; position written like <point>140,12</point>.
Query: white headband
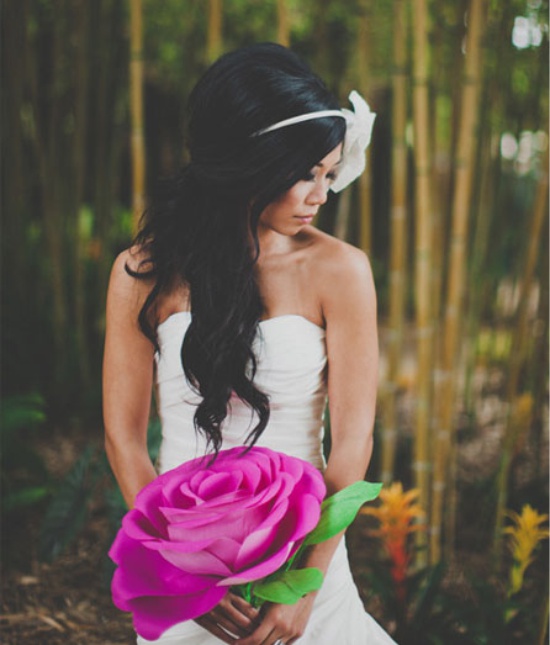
<point>358,135</point>
<point>298,119</point>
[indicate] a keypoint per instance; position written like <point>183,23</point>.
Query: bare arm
<point>127,383</point>
<point>349,306</point>
<point>127,386</point>
<point>352,347</point>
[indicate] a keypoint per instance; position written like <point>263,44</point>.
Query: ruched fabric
<point>292,366</point>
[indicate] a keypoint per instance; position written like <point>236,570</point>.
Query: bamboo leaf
<point>339,510</point>
<point>289,586</point>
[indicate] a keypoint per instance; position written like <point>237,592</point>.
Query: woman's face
<point>297,207</point>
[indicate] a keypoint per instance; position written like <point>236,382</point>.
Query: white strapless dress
<point>292,363</point>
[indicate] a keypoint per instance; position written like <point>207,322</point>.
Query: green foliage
<point>68,510</point>
<point>24,477</point>
<point>438,614</point>
<point>20,412</point>
<point>339,510</point>
<point>432,616</point>
<point>288,587</point>
<point>154,438</point>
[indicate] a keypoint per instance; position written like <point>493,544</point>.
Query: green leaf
<point>339,510</point>
<point>289,586</point>
<point>25,497</point>
<point>68,509</point>
<point>20,412</point>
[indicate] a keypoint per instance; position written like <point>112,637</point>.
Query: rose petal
<point>153,616</point>
<point>219,484</point>
<point>302,517</point>
<point>142,572</point>
<point>138,527</point>
<point>231,525</point>
<point>260,542</point>
<point>199,563</point>
<point>262,569</point>
<point>169,550</point>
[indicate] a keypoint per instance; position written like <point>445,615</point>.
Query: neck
<point>273,243</point>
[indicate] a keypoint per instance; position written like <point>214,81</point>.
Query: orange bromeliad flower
<point>398,514</point>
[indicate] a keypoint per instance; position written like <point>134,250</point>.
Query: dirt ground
<point>68,601</point>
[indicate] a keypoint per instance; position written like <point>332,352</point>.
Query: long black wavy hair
<point>201,229</point>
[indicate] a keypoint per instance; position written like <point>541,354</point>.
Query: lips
<point>305,219</point>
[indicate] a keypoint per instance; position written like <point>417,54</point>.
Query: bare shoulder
<point>125,289</point>
<point>342,277</point>
<point>338,262</point>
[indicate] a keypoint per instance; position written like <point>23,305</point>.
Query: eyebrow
<point>322,165</point>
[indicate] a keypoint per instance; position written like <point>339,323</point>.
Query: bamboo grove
<point>453,212</point>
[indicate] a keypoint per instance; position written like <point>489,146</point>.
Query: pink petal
<point>199,563</point>
<point>137,526</point>
<point>303,517</point>
<point>219,484</point>
<point>260,570</point>
<point>231,525</point>
<point>154,615</point>
<point>142,572</point>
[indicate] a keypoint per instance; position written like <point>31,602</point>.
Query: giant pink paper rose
<point>199,528</point>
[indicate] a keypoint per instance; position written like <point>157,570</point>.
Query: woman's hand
<point>232,618</point>
<point>281,623</point>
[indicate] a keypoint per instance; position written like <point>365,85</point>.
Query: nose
<point>319,193</point>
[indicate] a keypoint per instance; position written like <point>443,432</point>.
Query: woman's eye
<point>331,176</point>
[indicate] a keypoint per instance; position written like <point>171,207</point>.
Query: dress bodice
<point>291,370</point>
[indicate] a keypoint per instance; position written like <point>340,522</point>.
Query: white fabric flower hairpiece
<point>359,124</point>
<point>358,135</point>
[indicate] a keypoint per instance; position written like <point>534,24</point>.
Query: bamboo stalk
<point>136,109</point>
<point>398,250</point>
<point>14,14</point>
<point>455,281</point>
<point>79,143</point>
<point>423,241</point>
<point>48,154</point>
<point>343,215</point>
<point>542,622</point>
<point>438,181</point>
<point>283,29</point>
<point>491,105</point>
<point>364,185</point>
<point>518,353</point>
<point>482,217</point>
<point>214,44</point>
<point>539,378</point>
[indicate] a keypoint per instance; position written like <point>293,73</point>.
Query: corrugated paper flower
<point>240,521</point>
<point>198,529</point>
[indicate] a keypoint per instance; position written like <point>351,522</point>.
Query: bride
<point>245,317</point>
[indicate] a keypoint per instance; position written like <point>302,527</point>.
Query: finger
<point>226,611</point>
<point>244,607</point>
<point>211,626</point>
<point>238,630</point>
<point>263,635</point>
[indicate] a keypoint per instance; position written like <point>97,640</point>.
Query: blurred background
<point>453,212</point>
